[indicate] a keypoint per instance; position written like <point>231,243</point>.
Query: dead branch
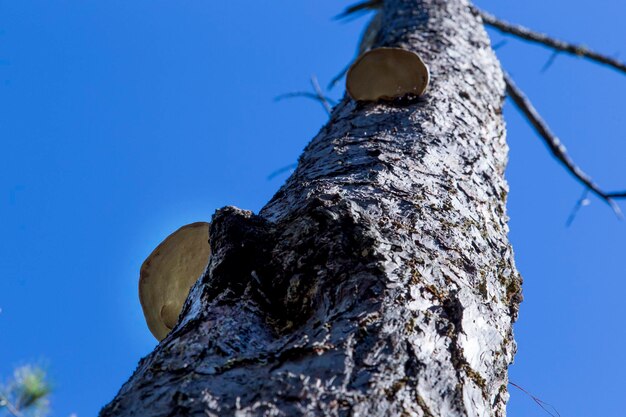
<point>536,37</point>
<point>550,61</point>
<point>352,12</point>
<point>363,6</point>
<point>318,95</point>
<point>279,171</point>
<point>544,405</point>
<point>10,408</point>
<point>582,202</point>
<point>616,195</point>
<point>338,77</point>
<point>556,147</point>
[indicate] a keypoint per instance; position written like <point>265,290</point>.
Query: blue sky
<point>122,120</point>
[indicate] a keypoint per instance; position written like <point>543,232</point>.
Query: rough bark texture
<point>379,280</point>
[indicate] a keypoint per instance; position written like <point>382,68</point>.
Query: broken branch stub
<point>387,74</point>
<point>168,274</point>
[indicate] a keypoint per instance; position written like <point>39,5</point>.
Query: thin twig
<point>531,36</point>
<point>338,77</point>
<point>353,12</point>
<point>550,61</point>
<point>4,402</point>
<point>539,401</point>
<point>582,202</point>
<point>305,94</point>
<point>323,101</point>
<point>500,44</point>
<point>364,6</point>
<point>556,147</point>
<point>318,96</point>
<point>281,170</point>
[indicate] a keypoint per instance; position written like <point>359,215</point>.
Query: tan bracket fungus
<point>168,274</point>
<point>387,74</point>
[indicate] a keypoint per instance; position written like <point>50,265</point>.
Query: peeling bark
<point>379,280</point>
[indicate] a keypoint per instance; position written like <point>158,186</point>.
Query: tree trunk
<point>379,280</point>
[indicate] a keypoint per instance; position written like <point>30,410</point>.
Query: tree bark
<point>379,280</point>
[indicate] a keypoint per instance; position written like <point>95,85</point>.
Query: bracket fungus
<point>168,274</point>
<point>387,74</point>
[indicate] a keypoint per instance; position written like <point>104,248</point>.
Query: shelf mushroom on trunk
<point>387,74</point>
<point>168,274</point>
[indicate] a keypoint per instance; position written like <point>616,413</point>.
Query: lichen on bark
<point>379,280</point>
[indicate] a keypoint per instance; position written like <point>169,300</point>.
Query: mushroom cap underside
<point>168,274</point>
<point>387,74</point>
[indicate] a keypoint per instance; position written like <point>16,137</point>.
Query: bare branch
<point>338,77</point>
<point>550,61</point>
<point>619,194</point>
<point>531,36</point>
<point>318,95</point>
<point>363,6</point>
<point>499,45</point>
<point>582,202</point>
<point>11,409</point>
<point>305,94</point>
<point>544,405</point>
<point>353,12</point>
<point>556,147</point>
<point>279,171</point>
